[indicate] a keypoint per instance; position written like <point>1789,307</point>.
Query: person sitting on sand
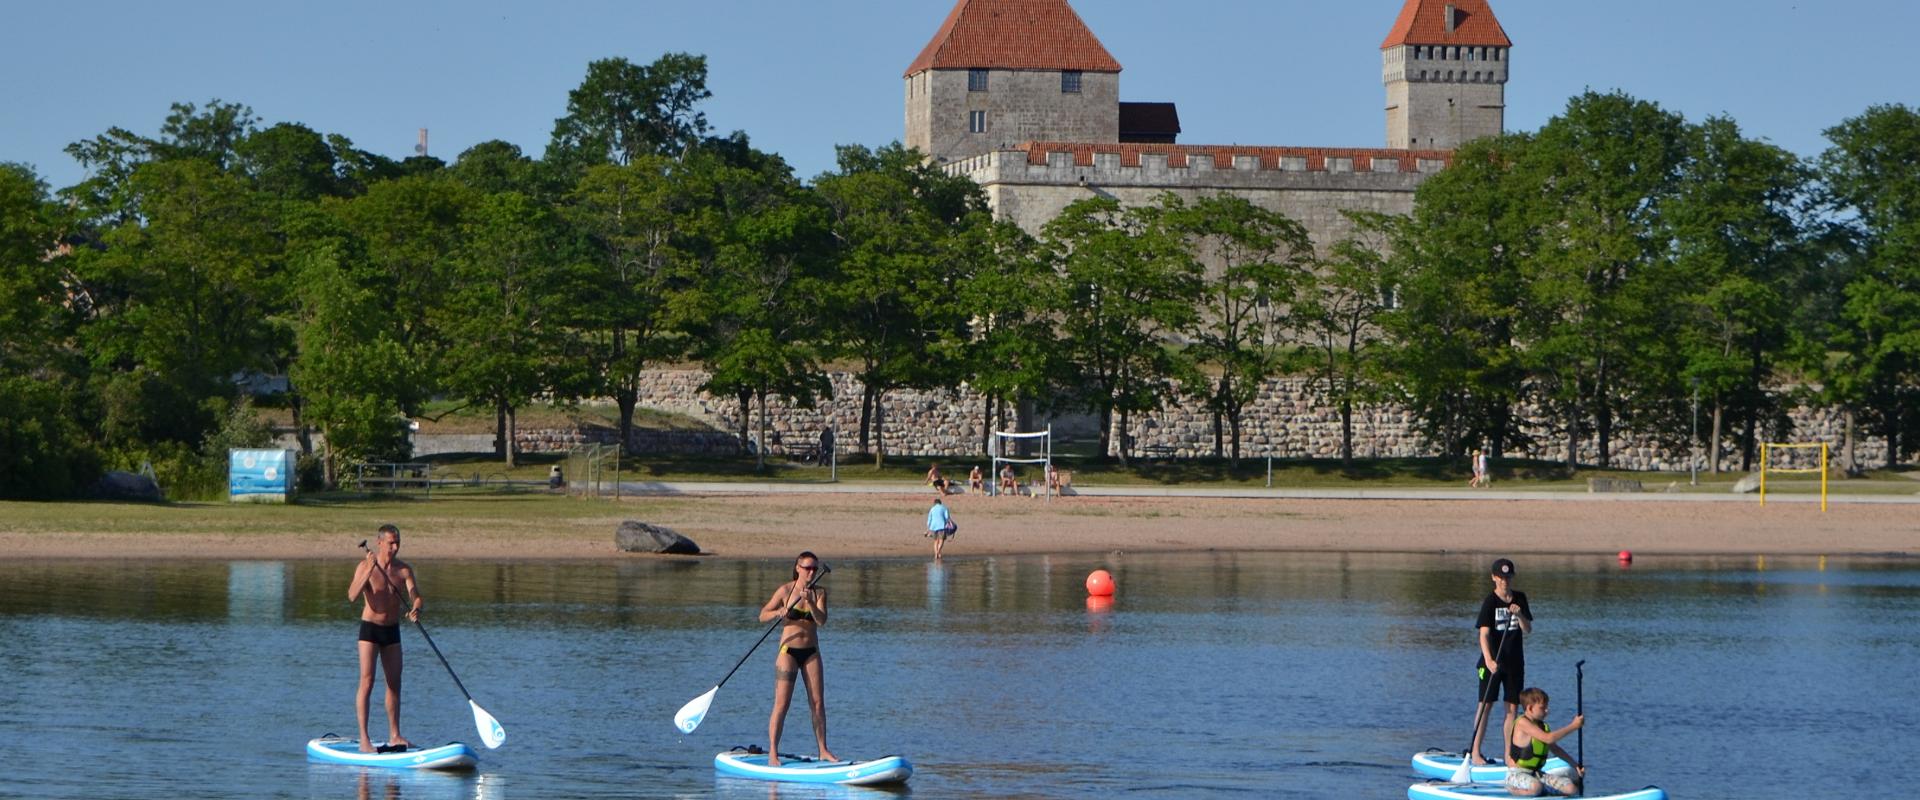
<point>1527,751</point>
<point>379,579</point>
<point>975,481</point>
<point>939,482</point>
<point>1008,485</point>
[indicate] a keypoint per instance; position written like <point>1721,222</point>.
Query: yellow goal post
<point>1767,464</point>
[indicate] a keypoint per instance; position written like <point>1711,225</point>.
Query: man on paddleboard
<point>1505,619</point>
<point>380,578</point>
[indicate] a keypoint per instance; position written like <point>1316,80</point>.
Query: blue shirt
<point>937,517</point>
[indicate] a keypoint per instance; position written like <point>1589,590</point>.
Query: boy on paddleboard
<point>1505,619</point>
<point>379,579</point>
<point>1530,743</point>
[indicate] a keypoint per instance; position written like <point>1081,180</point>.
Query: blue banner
<point>259,472</point>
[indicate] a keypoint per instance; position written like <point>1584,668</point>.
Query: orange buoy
<point>1100,584</point>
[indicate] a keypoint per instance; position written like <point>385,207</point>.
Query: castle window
<point>1070,82</point>
<point>976,122</point>
<point>1472,54</point>
<point>1496,54</point>
<point>976,80</point>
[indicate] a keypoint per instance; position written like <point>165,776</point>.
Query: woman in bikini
<point>805,610</point>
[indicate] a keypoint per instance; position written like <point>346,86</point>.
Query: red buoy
<point>1100,584</point>
<point>1626,556</point>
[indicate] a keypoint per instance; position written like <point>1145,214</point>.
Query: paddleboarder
<point>1505,619</point>
<point>1527,748</point>
<point>380,578</point>
<point>804,604</point>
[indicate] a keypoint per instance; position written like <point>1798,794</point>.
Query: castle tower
<point>1445,67</point>
<point>1003,72</point>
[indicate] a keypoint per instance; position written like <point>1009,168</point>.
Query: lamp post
<point>1693,444</point>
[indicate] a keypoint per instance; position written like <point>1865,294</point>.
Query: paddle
<point>1580,710</point>
<point>1464,772</point>
<point>695,711</point>
<point>490,731</point>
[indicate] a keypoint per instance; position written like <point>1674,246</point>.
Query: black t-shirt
<point>1494,616</point>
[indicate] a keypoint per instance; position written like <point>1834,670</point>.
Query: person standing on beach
<point>380,579</point>
<point>940,526</point>
<point>804,605</point>
<point>1479,463</point>
<point>1505,619</point>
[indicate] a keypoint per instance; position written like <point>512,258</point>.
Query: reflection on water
<point>1308,675</point>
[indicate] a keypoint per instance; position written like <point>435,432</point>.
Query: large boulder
<point>634,536</point>
<point>126,486</point>
<point>1747,485</point>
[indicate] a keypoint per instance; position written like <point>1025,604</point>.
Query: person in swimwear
<point>805,607</point>
<point>1529,746</point>
<point>379,579</point>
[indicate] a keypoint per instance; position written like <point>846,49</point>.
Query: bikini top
<point>797,613</point>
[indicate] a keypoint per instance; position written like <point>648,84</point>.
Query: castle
<point>1022,97</point>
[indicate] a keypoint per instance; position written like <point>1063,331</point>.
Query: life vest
<point>1528,758</point>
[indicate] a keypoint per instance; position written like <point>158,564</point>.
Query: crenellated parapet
<point>1032,183</point>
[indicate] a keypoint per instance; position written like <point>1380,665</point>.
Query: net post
<point>1823,477</point>
<point>1763,474</point>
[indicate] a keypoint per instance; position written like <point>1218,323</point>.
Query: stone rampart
<point>1288,420</point>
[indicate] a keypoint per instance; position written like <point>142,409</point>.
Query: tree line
<point>1582,280</point>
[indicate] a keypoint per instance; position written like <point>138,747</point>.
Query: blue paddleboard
<point>795,769</point>
<point>335,750</point>
<point>1474,791</point>
<point>1438,764</point>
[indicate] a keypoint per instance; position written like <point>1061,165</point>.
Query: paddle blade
<point>490,731</point>
<point>1464,772</point>
<point>694,712</point>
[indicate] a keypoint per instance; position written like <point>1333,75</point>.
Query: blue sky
<point>800,76</point>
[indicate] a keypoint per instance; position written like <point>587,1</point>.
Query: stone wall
<point>1287,420</point>
<point>1021,105</point>
<point>1030,185</point>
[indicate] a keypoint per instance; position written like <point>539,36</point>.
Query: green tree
<point>896,301</point>
<point>180,301</point>
<point>1460,261</point>
<point>1254,261</point>
<point>1340,312</point>
<point>44,453</point>
<point>502,319</point>
<point>631,217</point>
<point>753,307</point>
<point>1609,166</point>
<point>1012,355</point>
<point>356,377</point>
<point>1130,287</point>
<point>622,111</point>
<point>409,237</point>
<point>1872,184</point>
<point>1738,257</point>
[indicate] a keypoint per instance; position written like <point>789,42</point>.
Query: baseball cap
<point>1503,567</point>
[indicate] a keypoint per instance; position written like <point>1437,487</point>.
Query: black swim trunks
<point>380,635</point>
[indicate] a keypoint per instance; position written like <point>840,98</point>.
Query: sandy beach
<point>891,525</point>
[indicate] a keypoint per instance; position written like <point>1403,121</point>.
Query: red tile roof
<point>1425,22</point>
<point>1014,34</point>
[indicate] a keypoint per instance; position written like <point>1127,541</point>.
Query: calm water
<point>1256,675</point>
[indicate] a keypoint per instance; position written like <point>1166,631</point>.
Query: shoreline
<point>886,526</point>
